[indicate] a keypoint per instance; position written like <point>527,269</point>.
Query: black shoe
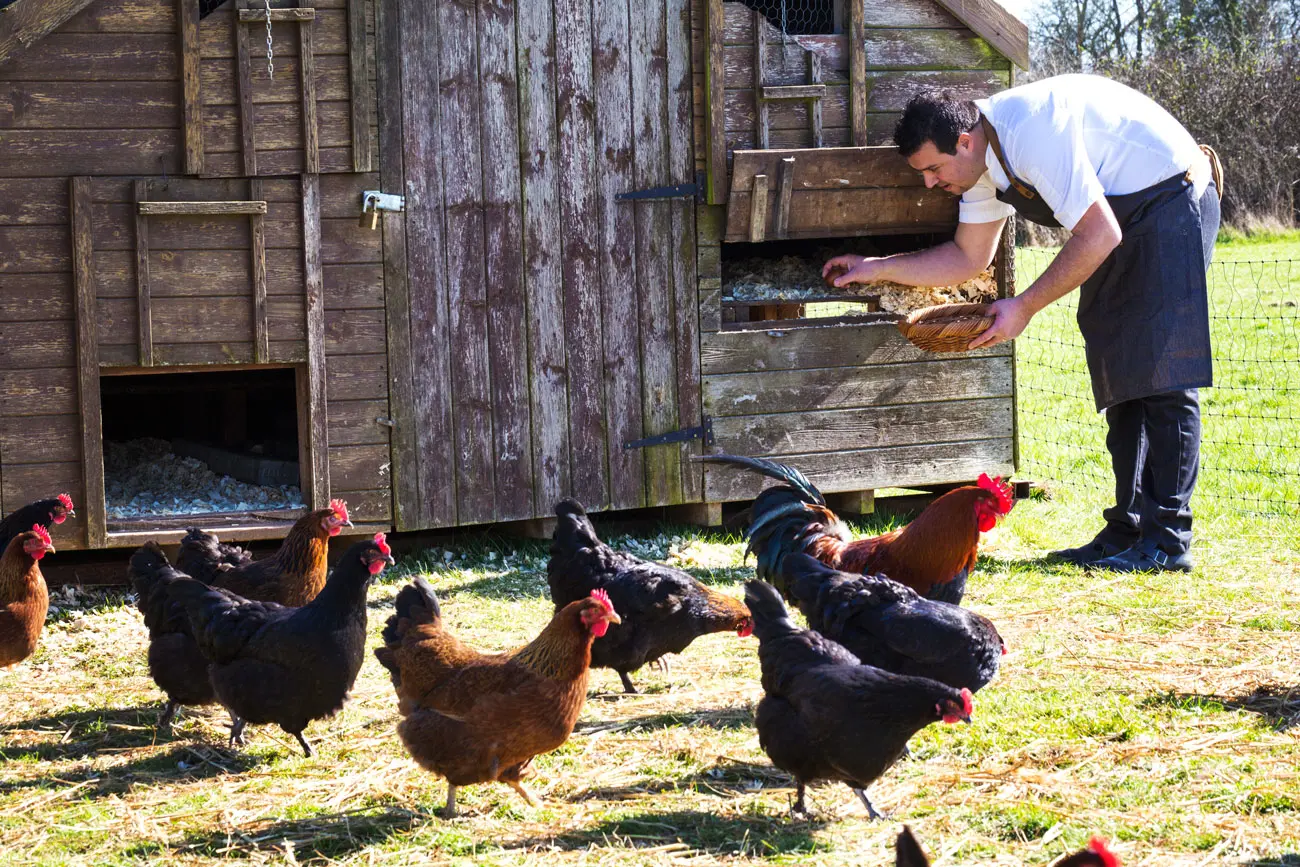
<point>1097,549</point>
<point>1145,557</point>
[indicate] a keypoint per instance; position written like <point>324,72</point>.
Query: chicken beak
<point>49,549</point>
<point>388,558</point>
<point>346,524</point>
<point>612,617</point>
<point>965,719</point>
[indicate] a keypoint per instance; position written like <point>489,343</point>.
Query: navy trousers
<point>1155,446</point>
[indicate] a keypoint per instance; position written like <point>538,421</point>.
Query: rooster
<point>272,664</point>
<point>475,717</point>
<point>933,555</point>
<point>663,609</point>
<point>46,513</point>
<point>24,598</point>
<point>291,576</point>
<point>908,853</point>
<point>890,626</point>
<point>826,716</point>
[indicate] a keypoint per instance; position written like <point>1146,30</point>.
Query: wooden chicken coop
<point>453,261</point>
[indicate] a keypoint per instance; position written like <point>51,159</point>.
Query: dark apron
<point>1144,313</point>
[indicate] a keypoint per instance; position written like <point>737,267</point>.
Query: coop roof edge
<point>995,25</point>
<point>23,23</point>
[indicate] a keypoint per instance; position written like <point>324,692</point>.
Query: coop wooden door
<point>550,323</point>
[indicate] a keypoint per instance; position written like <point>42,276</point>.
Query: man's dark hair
<point>938,116</point>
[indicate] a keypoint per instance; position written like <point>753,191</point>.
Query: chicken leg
<point>306,747</point>
<point>799,808</point>
<point>523,793</point>
<point>627,683</point>
<point>236,731</point>
<point>168,714</point>
<point>862,796</point>
<point>450,811</point>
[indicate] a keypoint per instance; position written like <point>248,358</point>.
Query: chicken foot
<point>518,786</point>
<point>306,747</point>
<point>799,808</point>
<point>627,683</point>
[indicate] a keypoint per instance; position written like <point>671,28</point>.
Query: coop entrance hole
<point>200,448</point>
<point>782,280</point>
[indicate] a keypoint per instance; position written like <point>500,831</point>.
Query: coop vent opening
<point>195,444</point>
<point>802,17</point>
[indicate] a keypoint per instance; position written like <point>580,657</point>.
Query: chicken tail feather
<point>772,470</point>
<point>416,604</point>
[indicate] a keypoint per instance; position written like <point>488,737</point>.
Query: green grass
<point>1156,711</point>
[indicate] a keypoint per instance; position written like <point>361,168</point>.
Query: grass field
<point>1157,711</point>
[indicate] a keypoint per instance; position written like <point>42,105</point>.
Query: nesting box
<point>459,260</point>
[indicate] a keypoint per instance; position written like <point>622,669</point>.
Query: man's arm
<point>1094,237</point>
<point>968,253</point>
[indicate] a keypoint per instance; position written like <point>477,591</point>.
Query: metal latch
<point>672,191</point>
<point>373,201</point>
<point>703,432</point>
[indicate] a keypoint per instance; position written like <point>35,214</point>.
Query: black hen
<point>908,853</point>
<point>203,557</point>
<point>46,513</point>
<point>288,666</point>
<point>826,716</point>
<point>891,626</point>
<point>176,664</point>
<point>663,609</point>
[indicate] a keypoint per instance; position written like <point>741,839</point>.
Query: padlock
<point>369,214</point>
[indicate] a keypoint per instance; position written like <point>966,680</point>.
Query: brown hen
<point>24,599</point>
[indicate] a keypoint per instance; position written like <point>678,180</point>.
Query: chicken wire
<point>1250,448</point>
<point>798,17</point>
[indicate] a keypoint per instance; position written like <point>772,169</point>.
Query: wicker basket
<point>946,327</point>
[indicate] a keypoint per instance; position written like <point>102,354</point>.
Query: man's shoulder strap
<point>992,135</point>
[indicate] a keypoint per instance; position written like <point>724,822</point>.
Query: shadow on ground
<point>1277,705</point>
<point>319,839</point>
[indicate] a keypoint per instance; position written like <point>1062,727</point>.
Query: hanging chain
<point>270,53</point>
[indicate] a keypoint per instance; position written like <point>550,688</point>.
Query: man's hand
<point>1013,314</point>
<point>857,269</point>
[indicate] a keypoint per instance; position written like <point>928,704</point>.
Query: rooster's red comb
<point>66,501</point>
<point>42,534</point>
<point>382,541</point>
<point>340,509</point>
<point>1098,847</point>
<point>999,489</point>
<point>603,598</point>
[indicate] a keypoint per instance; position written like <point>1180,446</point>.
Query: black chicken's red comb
<point>66,501</point>
<point>382,541</point>
<point>1098,847</point>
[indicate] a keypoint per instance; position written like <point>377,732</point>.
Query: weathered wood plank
<point>806,346</point>
<point>859,98</point>
<point>92,446</point>
<point>503,237</point>
<point>125,16</point>
<point>395,291</point>
<point>350,332</point>
<point>828,169</point>
<point>261,331</point>
<point>271,163</point>
<point>907,13</point>
<point>901,466</point>
<point>847,213</point>
<point>715,102</point>
<point>244,87</point>
<point>318,472</point>
<point>33,202</point>
<point>617,226</point>
<point>310,128</point>
<point>864,427</point>
<point>26,22</point>
<point>51,153</point>
<point>259,16</point>
<point>359,467</point>
<point>331,36</point>
<point>426,238</point>
<point>354,287</point>
<point>686,325</point>
<point>144,316</point>
<point>784,190</point>
<point>762,110</point>
<point>199,273</point>
<point>176,209</point>
<point>179,321</point>
<point>654,253</point>
<point>180,354</point>
<point>50,105</point>
<point>356,377</point>
<point>1006,33</point>
<point>543,260</point>
<point>218,76</point>
<point>38,345</point>
<point>97,57</point>
<point>27,297</point>
<point>353,422</point>
<point>761,392</point>
<point>576,139</point>
<point>191,94</point>
<point>40,440</point>
<point>41,392</point>
<point>757,209</point>
<point>359,85</point>
<point>462,129</point>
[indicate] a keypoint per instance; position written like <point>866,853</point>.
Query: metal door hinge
<point>703,432</point>
<point>671,191</point>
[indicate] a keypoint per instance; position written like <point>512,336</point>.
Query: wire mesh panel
<point>1250,451</point>
<point>798,17</point>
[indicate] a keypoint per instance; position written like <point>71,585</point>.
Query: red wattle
<point>59,519</point>
<point>334,531</point>
<point>986,522</point>
<point>599,628</point>
<point>36,555</point>
<point>375,566</point>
